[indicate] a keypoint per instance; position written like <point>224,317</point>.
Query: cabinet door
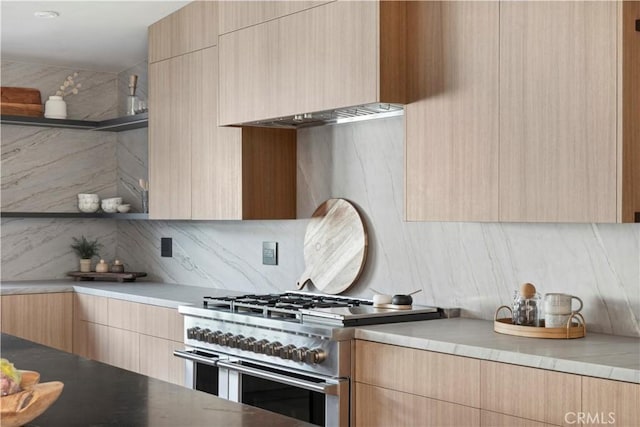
<point>313,60</point>
<point>235,15</point>
<point>174,99</point>
<point>216,163</point>
<point>157,359</point>
<point>493,419</point>
<point>609,402</point>
<point>124,349</point>
<point>405,369</point>
<point>191,28</point>
<point>376,406</point>
<point>558,111</point>
<point>507,389</point>
<point>43,318</point>
<point>451,148</point>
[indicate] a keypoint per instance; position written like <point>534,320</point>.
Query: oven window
<point>206,378</point>
<point>294,402</point>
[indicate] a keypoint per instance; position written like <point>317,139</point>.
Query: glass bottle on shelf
<point>132,99</point>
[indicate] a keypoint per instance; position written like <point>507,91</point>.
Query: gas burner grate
<point>285,305</point>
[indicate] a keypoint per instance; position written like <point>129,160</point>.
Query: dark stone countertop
<point>96,394</point>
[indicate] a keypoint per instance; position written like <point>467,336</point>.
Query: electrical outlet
<point>166,247</point>
<point>270,253</point>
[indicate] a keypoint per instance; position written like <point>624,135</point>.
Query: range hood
<point>376,110</point>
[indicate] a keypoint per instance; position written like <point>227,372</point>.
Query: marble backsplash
<point>475,266</point>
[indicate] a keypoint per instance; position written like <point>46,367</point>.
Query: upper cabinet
<point>193,27</point>
<point>237,14</point>
<point>523,111</point>
<point>338,54</point>
<point>198,170</point>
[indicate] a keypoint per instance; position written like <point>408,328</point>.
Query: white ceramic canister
<point>55,108</point>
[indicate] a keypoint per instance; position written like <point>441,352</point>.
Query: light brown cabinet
<point>506,389</point>
<point>193,27</point>
<point>133,336</point>
<point>404,386</point>
<point>339,54</point>
<point>378,406</point>
<point>234,15</point>
<point>43,318</point>
<point>523,111</point>
<point>198,170</point>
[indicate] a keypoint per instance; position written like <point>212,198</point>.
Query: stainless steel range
<point>289,353</point>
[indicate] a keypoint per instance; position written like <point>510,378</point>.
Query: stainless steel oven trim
<point>327,387</point>
<point>191,356</point>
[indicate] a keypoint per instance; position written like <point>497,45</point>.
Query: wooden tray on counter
<point>119,277</point>
<point>576,327</point>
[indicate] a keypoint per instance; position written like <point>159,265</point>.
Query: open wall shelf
<point>119,124</point>
<point>121,216</point>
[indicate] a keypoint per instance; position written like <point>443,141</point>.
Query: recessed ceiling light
<point>46,14</point>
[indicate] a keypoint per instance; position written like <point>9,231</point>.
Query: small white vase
<point>55,108</point>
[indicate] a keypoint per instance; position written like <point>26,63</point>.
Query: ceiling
<point>92,35</point>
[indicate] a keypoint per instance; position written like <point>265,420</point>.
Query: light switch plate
<point>270,253</point>
<point>166,247</point>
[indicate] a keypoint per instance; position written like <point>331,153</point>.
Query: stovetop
<point>303,307</point>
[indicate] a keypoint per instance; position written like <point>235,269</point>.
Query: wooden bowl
<point>22,407</point>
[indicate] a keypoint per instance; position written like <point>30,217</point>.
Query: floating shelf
<point>125,216</point>
<point>113,125</point>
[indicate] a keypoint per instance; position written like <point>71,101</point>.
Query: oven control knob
<point>286,352</point>
<point>213,337</point>
<point>315,356</point>
<point>224,340</point>
<point>192,332</point>
<point>259,346</point>
<point>272,348</point>
<point>203,334</point>
<point>300,354</point>
<point>235,341</point>
<point>247,343</point>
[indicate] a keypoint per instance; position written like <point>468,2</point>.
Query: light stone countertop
<point>153,293</point>
<point>598,355</point>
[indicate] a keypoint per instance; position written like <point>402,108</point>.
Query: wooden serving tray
<point>120,277</point>
<point>576,327</point>
<point>20,101</point>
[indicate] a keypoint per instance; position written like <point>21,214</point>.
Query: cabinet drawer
<point>157,359</point>
<point>377,406</point>
<point>123,314</point>
<point>509,389</point>
<point>161,322</point>
<point>91,308</point>
<point>436,375</point>
<point>493,419</point>
<point>614,402</point>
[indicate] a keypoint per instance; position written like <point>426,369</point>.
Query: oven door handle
<point>211,361</point>
<point>324,387</point>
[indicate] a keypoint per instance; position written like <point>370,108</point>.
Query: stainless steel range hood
<point>336,116</point>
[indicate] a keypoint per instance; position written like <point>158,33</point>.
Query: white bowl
<point>89,197</point>
<point>88,206</point>
<point>124,208</point>
<point>111,205</point>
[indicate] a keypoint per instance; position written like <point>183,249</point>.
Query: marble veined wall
<point>475,266</point>
<point>43,170</point>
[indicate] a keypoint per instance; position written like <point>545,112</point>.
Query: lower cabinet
<point>399,386</point>
<point>377,406</point>
<point>42,318</point>
<point>137,337</point>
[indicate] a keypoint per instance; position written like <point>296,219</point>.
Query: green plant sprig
<point>86,249</point>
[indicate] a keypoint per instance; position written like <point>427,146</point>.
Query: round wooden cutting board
<point>335,247</point>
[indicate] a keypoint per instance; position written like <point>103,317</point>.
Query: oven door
<point>202,372</point>
<point>318,400</point>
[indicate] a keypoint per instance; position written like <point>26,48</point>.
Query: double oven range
<point>288,353</point>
